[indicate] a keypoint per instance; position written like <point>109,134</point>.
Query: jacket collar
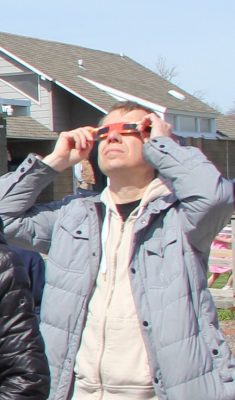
<point>155,203</point>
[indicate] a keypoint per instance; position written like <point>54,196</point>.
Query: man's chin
<point>113,165</point>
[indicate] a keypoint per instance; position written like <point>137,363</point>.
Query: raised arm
<point>28,224</point>
<point>71,147</point>
<point>206,198</point>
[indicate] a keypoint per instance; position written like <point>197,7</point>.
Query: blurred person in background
<point>24,372</point>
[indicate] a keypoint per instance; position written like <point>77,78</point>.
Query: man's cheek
<point>100,162</point>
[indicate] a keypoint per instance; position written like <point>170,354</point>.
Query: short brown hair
<point>126,106</point>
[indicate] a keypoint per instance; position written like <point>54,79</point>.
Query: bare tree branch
<point>232,110</point>
<point>199,94</point>
<point>165,71</point>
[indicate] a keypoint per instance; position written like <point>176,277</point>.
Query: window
<point>187,124</point>
<point>26,82</point>
<point>171,119</point>
<point>205,125</point>
<point>191,125</point>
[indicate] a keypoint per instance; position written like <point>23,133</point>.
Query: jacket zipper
<point>113,277</point>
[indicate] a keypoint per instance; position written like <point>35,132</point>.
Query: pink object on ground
<point>222,264</point>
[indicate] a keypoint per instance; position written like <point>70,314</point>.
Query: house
<point>47,87</point>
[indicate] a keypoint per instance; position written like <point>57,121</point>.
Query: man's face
<point>122,153</point>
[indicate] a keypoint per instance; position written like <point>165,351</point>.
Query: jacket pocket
<point>70,245</point>
<point>161,259</point>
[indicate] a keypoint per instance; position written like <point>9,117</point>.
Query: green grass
<point>223,314</point>
<point>221,281</point>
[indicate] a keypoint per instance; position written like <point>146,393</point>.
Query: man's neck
<point>127,192</point>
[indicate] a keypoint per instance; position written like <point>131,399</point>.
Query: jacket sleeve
<point>35,267</point>
<point>24,373</point>
<point>206,198</point>
<point>25,224</point>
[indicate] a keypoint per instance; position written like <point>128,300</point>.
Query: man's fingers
<point>81,138</point>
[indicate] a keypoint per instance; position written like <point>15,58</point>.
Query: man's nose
<point>114,136</point>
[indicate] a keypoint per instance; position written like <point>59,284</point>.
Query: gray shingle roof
<point>59,61</point>
<point>29,128</point>
<point>226,125</point>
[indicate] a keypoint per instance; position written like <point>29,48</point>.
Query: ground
<point>228,328</point>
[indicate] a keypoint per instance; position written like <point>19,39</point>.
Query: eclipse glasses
<point>123,128</point>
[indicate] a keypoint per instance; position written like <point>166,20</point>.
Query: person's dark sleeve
<point>24,372</point>
<point>37,280</point>
<point>36,269</point>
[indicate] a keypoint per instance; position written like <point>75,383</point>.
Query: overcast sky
<point>196,37</point>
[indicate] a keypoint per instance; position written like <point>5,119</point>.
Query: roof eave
<point>80,96</point>
<point>27,65</point>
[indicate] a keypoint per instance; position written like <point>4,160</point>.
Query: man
<point>126,312</point>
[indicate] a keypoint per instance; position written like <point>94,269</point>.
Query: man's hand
<point>158,127</point>
<point>71,147</point>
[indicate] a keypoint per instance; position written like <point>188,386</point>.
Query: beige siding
<point>42,111</point>
<point>8,92</point>
<point>8,66</point>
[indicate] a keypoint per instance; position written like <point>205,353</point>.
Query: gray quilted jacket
<point>189,359</point>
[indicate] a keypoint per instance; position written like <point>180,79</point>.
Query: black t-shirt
<point>125,209</point>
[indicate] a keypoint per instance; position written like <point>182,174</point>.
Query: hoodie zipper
<point>109,299</point>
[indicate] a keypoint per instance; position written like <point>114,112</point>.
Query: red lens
<point>121,127</point>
